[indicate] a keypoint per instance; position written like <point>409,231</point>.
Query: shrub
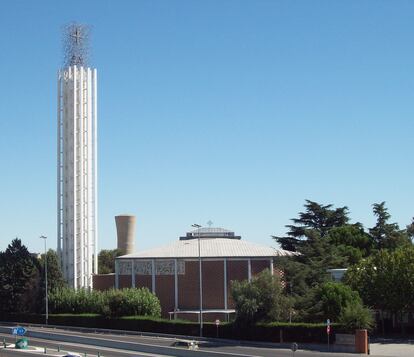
<point>354,317</point>
<point>260,299</point>
<point>107,303</point>
<point>130,302</point>
<point>67,300</point>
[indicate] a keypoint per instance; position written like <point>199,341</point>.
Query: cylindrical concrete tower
<point>125,228</point>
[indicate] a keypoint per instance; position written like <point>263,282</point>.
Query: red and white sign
<point>328,326</point>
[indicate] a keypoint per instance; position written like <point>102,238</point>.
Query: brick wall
<point>143,281</point>
<point>259,265</point>
<point>164,289</point>
<point>103,281</point>
<point>124,281</point>
<point>213,284</point>
<point>188,287</point>
<point>236,270</point>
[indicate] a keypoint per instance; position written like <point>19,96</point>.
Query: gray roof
<point>210,248</point>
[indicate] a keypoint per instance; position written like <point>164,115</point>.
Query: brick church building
<point>172,272</point>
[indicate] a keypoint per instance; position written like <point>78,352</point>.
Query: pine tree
<point>55,278</point>
<point>316,219</point>
<point>19,278</point>
<point>387,235</point>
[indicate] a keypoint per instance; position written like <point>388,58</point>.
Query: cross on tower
<point>77,35</point>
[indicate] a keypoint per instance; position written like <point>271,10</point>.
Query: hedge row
<point>270,332</point>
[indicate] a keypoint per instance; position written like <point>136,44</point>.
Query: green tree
<point>309,268</point>
<point>410,230</point>
<point>309,236</point>
<point>352,242</point>
<point>316,218</point>
<point>19,279</point>
<point>55,278</point>
<point>384,280</point>
<point>261,299</point>
<point>324,239</point>
<point>387,235</point>
<point>328,301</point>
<point>106,260</point>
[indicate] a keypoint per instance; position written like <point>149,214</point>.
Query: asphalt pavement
<point>108,344</point>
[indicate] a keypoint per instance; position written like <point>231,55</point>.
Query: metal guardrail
<point>110,331</point>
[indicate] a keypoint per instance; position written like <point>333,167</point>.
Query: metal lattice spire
<point>76,44</point>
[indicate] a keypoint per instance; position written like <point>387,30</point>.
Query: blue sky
<point>229,111</point>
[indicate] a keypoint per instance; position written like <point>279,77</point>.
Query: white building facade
<point>77,218</point>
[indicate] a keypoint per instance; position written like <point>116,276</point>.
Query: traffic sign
<point>217,322</point>
<point>19,331</point>
<point>22,344</point>
<point>328,326</point>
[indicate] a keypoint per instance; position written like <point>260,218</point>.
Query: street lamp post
<point>200,279</point>
<point>46,296</point>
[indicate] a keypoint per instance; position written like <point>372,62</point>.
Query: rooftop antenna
<point>210,223</point>
<point>76,44</point>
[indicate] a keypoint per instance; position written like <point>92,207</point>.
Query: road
<point>60,348</point>
<point>117,345</point>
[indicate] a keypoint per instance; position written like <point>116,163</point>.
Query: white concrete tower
<point>77,199</point>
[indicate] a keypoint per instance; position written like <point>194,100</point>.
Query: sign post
<point>217,327</point>
<point>328,330</point>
